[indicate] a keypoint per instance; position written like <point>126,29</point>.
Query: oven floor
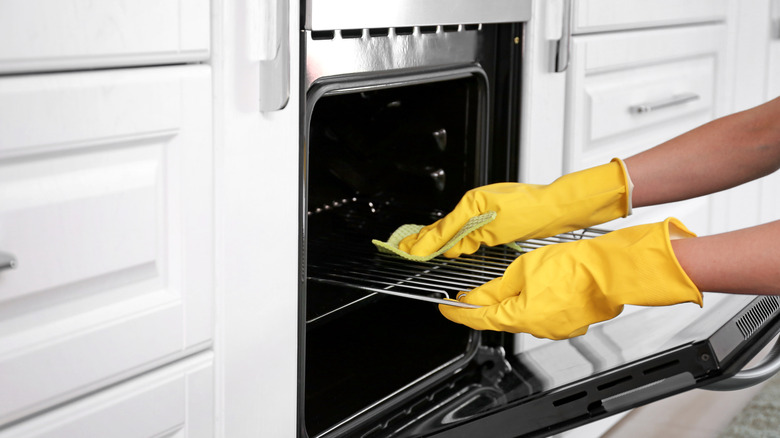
<point>358,359</point>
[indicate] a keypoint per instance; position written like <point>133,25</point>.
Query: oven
<point>406,106</point>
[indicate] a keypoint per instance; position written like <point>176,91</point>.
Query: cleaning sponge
<point>391,246</point>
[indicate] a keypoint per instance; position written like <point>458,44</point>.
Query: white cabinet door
<point>770,186</point>
<point>106,200</point>
<point>174,402</point>
<point>604,15</point>
<point>37,35</point>
<point>629,91</point>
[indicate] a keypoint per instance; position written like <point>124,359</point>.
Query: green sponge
<point>391,246</point>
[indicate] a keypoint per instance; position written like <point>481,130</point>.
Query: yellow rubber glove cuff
<point>527,211</point>
<point>557,291</point>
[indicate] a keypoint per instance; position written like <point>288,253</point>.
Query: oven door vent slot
<point>385,32</point>
<point>755,317</point>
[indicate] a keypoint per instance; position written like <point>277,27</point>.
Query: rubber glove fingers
<point>513,315</point>
<point>501,198</point>
<point>477,319</point>
<point>557,291</point>
<point>527,211</point>
<point>432,237</point>
<point>485,295</point>
<point>506,310</point>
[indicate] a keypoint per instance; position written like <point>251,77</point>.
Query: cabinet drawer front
<point>105,201</point>
<point>602,15</point>
<point>649,97</point>
<point>631,91</point>
<point>45,35</point>
<point>175,401</point>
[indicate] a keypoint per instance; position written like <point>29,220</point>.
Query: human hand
<point>527,211</point>
<point>558,290</point>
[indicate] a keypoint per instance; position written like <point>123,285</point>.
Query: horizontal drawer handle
<point>677,99</point>
<point>7,261</point>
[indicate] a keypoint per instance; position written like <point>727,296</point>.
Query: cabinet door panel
<point>45,35</point>
<point>613,75</point>
<point>630,91</point>
<point>175,401</point>
<point>106,202</point>
<point>601,15</point>
<point>646,96</point>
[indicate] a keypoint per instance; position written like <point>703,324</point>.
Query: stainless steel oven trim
<point>338,55</point>
<point>361,14</point>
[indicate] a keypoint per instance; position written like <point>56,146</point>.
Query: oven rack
<point>358,265</point>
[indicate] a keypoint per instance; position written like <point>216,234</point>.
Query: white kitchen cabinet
<point>610,15</point>
<point>174,402</point>
<point>773,57</point>
<point>258,175</point>
<point>46,35</point>
<point>106,200</point>
<point>755,42</point>
<point>770,189</point>
<point>629,91</point>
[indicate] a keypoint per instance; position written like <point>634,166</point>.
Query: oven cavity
<point>379,157</point>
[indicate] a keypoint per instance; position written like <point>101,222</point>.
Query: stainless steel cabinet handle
<point>677,99</point>
<point>564,44</point>
<point>274,53</point>
<point>7,261</point>
<point>768,367</point>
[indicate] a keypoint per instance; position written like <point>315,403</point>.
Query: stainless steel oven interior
<point>399,123</point>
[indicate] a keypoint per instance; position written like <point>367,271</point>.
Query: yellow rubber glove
<point>558,290</point>
<point>527,211</point>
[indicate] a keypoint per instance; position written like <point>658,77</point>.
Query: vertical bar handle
<point>273,52</point>
<point>7,261</point>
<point>563,51</point>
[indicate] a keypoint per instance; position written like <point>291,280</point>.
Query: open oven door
<point>635,359</point>
<point>628,362</point>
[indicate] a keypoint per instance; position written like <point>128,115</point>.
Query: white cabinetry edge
<point>174,401</point>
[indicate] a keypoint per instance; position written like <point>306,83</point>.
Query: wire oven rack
<point>356,264</point>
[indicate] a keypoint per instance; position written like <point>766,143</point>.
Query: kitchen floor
<point>696,414</point>
<point>761,417</point>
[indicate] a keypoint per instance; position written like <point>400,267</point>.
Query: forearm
<point>742,261</point>
<point>721,154</point>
